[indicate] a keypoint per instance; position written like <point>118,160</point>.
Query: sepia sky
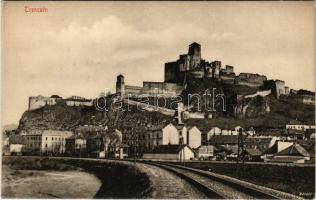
<point>78,48</point>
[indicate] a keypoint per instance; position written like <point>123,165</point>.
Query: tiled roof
<point>253,152</point>
<point>293,150</point>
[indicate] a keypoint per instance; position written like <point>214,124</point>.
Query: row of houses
<point>254,149</point>
<point>189,142</point>
<point>96,143</point>
<point>169,141</point>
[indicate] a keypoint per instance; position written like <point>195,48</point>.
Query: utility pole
<point>240,147</point>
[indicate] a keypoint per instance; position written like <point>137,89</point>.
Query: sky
<point>78,48</point>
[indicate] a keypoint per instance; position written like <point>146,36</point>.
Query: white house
<point>16,149</point>
<point>194,137</point>
<point>297,125</point>
<point>170,135</point>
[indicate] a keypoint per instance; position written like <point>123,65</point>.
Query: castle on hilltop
<point>192,65</point>
<point>36,102</point>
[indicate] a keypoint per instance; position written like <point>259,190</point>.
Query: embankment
<point>119,179</point>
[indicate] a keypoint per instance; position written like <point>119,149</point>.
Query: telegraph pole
<point>240,147</point>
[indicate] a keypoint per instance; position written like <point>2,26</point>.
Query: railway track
<point>222,187</point>
<point>214,186</point>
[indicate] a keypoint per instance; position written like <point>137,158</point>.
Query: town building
<point>170,135</point>
<point>260,142</point>
<point>170,152</point>
<point>16,145</point>
<point>205,152</point>
<point>293,154</point>
<point>48,142</point>
<point>253,155</point>
<point>194,137</point>
<point>297,125</point>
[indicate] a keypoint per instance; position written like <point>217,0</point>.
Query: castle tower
<point>195,55</point>
<point>120,85</point>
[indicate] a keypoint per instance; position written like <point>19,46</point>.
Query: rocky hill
<point>62,117</point>
<point>257,112</point>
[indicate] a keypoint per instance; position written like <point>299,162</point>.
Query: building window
<point>46,145</point>
<point>52,138</point>
<point>46,138</point>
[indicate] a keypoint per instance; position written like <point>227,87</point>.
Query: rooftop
<point>293,150</point>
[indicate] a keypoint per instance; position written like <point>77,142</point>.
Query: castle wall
<point>40,101</point>
<point>277,87</point>
<point>252,80</point>
<point>132,90</point>
<point>167,89</point>
<point>150,108</point>
<point>262,93</point>
<point>79,103</point>
<point>228,78</point>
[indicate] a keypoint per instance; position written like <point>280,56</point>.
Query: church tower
<point>120,85</point>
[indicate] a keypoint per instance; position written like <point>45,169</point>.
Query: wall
<point>252,80</point>
<point>79,103</point>
<point>132,90</point>
<point>150,108</point>
<point>262,93</point>
<point>40,101</point>
<point>277,87</point>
